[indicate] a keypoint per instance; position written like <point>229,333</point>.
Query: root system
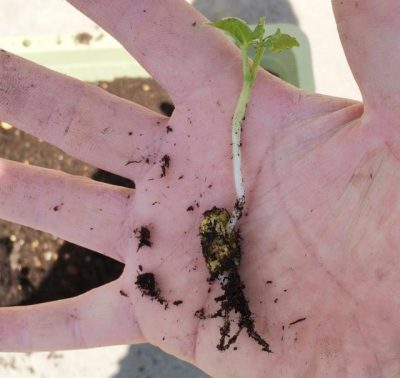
<point>222,254</point>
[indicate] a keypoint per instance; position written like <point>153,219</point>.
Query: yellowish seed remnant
<point>218,246</point>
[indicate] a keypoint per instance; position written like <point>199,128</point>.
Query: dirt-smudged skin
<point>221,251</point>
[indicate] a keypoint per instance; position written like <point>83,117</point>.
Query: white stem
<point>237,122</point>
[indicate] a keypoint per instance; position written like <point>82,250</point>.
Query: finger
<point>168,39</point>
<point>97,318</point>
<point>77,209</point>
<point>81,119</point>
<point>370,36</point>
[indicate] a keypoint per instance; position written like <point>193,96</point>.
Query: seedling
<point>220,238</point>
<point>246,38</point>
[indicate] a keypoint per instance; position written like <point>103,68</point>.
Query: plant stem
<point>237,123</point>
<point>257,59</point>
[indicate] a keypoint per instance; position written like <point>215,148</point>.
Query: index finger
<point>168,39</point>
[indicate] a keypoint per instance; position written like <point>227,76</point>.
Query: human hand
<point>321,181</point>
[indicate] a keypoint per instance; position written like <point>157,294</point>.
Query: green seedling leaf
<point>236,28</point>
<point>259,31</point>
<point>278,42</point>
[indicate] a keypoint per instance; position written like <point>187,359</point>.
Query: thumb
<point>369,31</point>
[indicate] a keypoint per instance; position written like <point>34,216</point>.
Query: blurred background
<point>21,278</point>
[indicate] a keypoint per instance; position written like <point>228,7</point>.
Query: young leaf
<point>278,42</point>
<point>259,31</point>
<point>236,28</point>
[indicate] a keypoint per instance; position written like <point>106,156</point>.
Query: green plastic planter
<point>294,65</point>
<point>103,58</point>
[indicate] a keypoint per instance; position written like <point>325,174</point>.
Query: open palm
<point>321,226</point>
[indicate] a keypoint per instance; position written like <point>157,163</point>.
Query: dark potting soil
<point>147,284</point>
<point>35,266</point>
<point>143,234</point>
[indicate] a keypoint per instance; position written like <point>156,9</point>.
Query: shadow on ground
<point>147,361</point>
